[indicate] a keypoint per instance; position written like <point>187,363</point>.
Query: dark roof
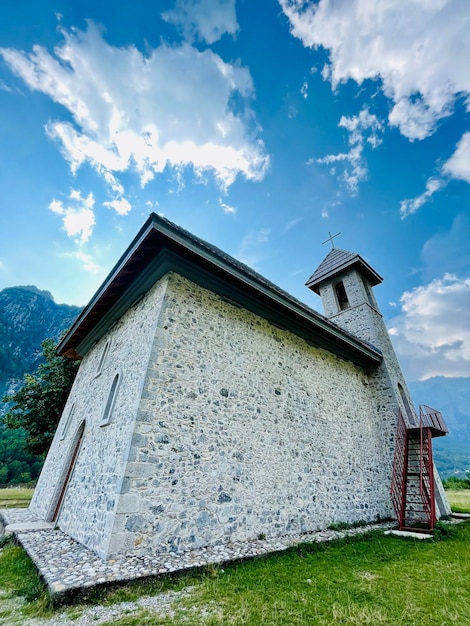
<point>335,262</point>
<point>161,247</point>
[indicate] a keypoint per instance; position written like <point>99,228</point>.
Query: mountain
<point>451,396</point>
<point>27,317</point>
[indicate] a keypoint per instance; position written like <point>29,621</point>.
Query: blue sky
<point>258,126</point>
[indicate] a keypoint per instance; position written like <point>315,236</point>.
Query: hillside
<point>27,317</point>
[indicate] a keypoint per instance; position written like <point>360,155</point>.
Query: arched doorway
<point>71,461</point>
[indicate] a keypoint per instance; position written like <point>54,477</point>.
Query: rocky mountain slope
<point>27,317</point>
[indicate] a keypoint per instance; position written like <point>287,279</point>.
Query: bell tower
<point>344,281</point>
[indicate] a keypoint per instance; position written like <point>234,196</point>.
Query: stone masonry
<point>88,510</point>
<point>239,432</point>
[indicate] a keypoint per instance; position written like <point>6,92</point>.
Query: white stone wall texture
<point>363,319</point>
<point>245,430</point>
<point>87,512</point>
<point>225,428</point>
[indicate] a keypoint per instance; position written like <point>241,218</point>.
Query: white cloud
<point>432,332</point>
<point>86,261</point>
<point>419,52</point>
<point>408,207</point>
<point>120,205</point>
<point>458,166</point>
<point>204,20</point>
<point>152,204</point>
<point>175,110</point>
<point>362,128</point>
<point>78,218</point>
<point>414,119</point>
<point>2,265</point>
<point>227,208</point>
<point>304,90</point>
<point>5,87</point>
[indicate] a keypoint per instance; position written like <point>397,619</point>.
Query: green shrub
<point>457,483</point>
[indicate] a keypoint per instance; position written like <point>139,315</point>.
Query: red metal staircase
<point>413,470</point>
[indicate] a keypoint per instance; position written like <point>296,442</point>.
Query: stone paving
<point>66,566</point>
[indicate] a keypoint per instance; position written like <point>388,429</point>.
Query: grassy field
<point>15,497</point>
<point>459,500</point>
<point>366,581</point>
<point>373,580</point>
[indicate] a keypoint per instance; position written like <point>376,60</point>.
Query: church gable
<point>105,397</point>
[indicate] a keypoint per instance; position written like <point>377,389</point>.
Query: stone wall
<point>87,512</point>
<point>363,319</point>
<point>245,430</point>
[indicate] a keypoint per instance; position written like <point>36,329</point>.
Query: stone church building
<point>211,406</point>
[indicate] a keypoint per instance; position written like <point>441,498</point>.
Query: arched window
<point>67,421</point>
<point>103,358</point>
<point>369,295</point>
<point>409,411</point>
<point>110,402</point>
<point>341,296</point>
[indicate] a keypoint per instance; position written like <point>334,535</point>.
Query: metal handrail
<point>431,418</point>
<point>398,487</point>
<point>430,421</point>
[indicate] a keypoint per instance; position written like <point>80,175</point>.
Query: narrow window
<point>67,421</point>
<point>103,358</point>
<point>110,402</point>
<point>341,296</point>
<point>409,411</point>
<point>368,293</point>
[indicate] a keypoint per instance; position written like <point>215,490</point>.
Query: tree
<point>38,404</point>
<point>13,448</point>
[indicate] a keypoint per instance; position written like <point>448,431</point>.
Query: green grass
<point>371,580</point>
<point>15,497</point>
<point>459,500</point>
<point>19,579</point>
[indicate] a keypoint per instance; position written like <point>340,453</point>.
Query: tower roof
<point>336,262</point>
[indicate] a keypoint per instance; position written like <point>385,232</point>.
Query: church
<point>211,406</point>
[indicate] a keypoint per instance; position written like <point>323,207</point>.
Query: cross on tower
<point>330,239</point>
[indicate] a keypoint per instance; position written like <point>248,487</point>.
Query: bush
<point>457,483</point>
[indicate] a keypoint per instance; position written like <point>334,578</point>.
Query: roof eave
<point>373,277</point>
<point>204,265</point>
